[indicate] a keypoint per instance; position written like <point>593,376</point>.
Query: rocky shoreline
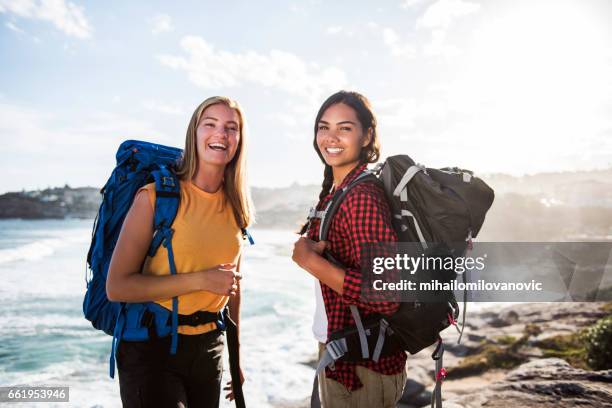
<point>513,356</point>
<point>523,373</point>
<point>51,203</point>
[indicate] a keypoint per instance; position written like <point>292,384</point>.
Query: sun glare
<point>538,72</point>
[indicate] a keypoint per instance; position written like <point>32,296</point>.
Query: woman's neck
<point>340,172</point>
<point>208,178</point>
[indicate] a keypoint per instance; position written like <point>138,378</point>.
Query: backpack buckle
<point>311,212</point>
<point>168,181</point>
<point>221,325</point>
<point>337,348</point>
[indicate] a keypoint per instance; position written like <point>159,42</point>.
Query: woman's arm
<point>126,283</point>
<point>308,255</point>
<point>365,215</point>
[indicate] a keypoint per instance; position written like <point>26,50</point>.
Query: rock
<point>548,382</point>
<point>555,369</point>
<point>423,399</point>
<point>419,400</point>
<point>507,318</point>
<point>412,389</point>
<point>312,362</point>
<point>420,371</point>
<point>460,350</point>
<point>304,403</point>
<point>470,343</point>
<point>531,352</point>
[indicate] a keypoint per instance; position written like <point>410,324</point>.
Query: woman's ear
<point>368,137</point>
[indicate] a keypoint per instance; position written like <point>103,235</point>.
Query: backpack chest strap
<point>316,214</point>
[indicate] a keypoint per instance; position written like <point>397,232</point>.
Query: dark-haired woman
<point>346,141</point>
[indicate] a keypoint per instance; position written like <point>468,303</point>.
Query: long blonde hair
<point>235,183</point>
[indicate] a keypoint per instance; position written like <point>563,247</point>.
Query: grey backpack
<point>438,208</point>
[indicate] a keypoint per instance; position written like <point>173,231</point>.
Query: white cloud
<point>65,16</point>
<point>161,23</point>
<point>334,29</point>
<point>44,147</point>
<point>13,27</point>
<point>166,108</point>
<point>396,113</point>
<point>442,13</point>
<point>208,67</point>
<point>396,45</point>
<point>406,4</point>
<point>392,40</point>
<point>285,119</point>
<point>516,101</point>
<point>339,30</point>
<point>438,46</point>
<point>439,17</point>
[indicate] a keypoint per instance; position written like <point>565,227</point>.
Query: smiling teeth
<point>217,146</point>
<point>333,150</point>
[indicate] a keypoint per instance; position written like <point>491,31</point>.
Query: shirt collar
<point>352,175</point>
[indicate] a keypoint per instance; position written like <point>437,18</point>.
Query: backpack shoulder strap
<point>330,211</point>
<point>167,198</point>
<point>338,198</point>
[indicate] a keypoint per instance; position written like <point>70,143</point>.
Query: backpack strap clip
<point>247,235</point>
<point>168,181</point>
<point>334,350</point>
<point>440,372</point>
<point>316,214</point>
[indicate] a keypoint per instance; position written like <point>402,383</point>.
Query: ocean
<point>46,341</point>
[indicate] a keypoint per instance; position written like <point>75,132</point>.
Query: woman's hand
<point>308,255</point>
<point>228,387</point>
<point>304,249</point>
<point>221,279</point>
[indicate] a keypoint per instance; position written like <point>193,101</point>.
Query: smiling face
<point>218,135</point>
<point>340,137</point>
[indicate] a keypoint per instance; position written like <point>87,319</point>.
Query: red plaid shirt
<point>363,217</point>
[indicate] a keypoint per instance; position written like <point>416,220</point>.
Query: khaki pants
<point>378,391</point>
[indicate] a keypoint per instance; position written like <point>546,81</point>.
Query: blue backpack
<point>139,163</point>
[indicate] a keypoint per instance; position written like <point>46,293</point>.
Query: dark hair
<point>369,153</point>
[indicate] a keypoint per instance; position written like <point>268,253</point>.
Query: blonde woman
<point>214,209</point>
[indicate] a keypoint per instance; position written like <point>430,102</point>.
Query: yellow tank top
<point>205,235</point>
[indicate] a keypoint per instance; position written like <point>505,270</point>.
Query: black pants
<point>149,376</point>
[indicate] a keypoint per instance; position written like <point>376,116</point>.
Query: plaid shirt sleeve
<point>365,216</point>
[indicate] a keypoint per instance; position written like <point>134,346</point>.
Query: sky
<point>517,87</point>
